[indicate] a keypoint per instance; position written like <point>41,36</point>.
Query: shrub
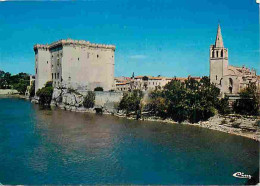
<point>48,84</point>
<point>32,90</point>
<point>248,104</point>
<point>89,100</point>
<point>45,95</point>
<point>131,102</point>
<point>223,106</point>
<point>98,89</point>
<point>190,100</point>
<point>21,86</point>
<point>236,125</point>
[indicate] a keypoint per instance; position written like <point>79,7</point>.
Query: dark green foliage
<point>190,100</point>
<point>157,106</point>
<point>98,89</point>
<point>32,90</point>
<point>48,84</point>
<point>89,100</point>
<point>249,102</point>
<point>19,81</point>
<point>131,101</point>
<point>21,86</point>
<point>45,95</point>
<point>223,106</point>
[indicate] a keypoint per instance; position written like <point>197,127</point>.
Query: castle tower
<point>42,66</point>
<point>218,60</point>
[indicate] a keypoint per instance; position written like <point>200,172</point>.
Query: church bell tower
<point>218,59</point>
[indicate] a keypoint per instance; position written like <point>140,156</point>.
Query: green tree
<point>89,100</point>
<point>157,105</point>
<point>131,102</point>
<point>248,104</point>
<point>190,100</point>
<point>223,106</point>
<point>45,94</point>
<point>21,86</point>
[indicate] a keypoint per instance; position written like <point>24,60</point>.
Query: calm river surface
<point>61,147</point>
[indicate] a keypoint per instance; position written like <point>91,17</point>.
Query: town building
<point>229,79</point>
<point>32,81</point>
<point>76,64</point>
<point>123,83</point>
<point>146,83</point>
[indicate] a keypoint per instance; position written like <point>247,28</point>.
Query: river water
<point>61,147</point>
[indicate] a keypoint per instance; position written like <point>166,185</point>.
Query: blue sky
<point>169,38</point>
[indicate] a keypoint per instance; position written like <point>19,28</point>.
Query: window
<point>213,54</point>
<point>58,75</point>
<point>36,70</point>
<point>216,77</point>
<point>47,62</point>
<point>217,53</point>
<point>55,76</point>
<point>51,75</point>
<point>78,58</point>
<point>97,56</point>
<point>112,56</point>
<point>221,53</point>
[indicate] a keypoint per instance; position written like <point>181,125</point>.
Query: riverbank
<point>13,96</point>
<point>245,126</point>
<point>233,124</point>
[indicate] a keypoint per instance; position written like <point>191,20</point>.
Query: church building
<point>230,79</point>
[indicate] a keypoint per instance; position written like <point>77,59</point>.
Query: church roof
<point>219,40</point>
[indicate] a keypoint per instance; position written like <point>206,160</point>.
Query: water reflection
<point>62,147</point>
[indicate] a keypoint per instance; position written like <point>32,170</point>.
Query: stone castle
<point>75,64</point>
<point>83,65</point>
<point>230,79</point>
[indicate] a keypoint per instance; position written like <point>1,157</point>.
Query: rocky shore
<point>245,126</point>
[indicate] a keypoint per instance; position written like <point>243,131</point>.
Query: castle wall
<point>86,66</point>
<point>56,66</point>
<point>75,64</point>
<point>42,67</point>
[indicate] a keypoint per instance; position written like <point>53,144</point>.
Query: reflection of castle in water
<point>76,131</point>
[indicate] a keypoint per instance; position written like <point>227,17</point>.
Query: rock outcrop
<point>72,100</point>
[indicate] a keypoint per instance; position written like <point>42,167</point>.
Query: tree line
<point>18,82</point>
<point>191,101</point>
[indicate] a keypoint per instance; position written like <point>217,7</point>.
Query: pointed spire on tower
<point>219,39</point>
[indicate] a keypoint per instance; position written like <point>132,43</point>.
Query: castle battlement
<point>73,43</point>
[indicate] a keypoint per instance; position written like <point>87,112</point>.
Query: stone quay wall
<point>8,92</point>
<point>73,100</point>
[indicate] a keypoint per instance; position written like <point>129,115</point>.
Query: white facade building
<point>76,64</point>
